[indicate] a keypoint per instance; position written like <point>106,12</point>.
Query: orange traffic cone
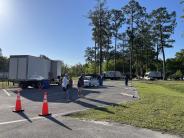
<point>45,109</point>
<point>18,107</point>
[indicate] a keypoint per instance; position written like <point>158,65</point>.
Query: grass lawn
<point>161,107</point>
<point>5,85</point>
<point>75,79</point>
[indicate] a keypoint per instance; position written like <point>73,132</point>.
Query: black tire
<point>38,85</point>
<point>23,85</point>
<point>20,85</point>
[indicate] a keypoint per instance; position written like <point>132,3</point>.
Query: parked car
<point>90,81</point>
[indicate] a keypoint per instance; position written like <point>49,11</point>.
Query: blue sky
<point>59,29</point>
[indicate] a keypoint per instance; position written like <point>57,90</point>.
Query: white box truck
<point>33,71</point>
<point>113,75</point>
<point>152,75</point>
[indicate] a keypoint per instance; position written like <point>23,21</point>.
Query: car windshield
<point>87,77</point>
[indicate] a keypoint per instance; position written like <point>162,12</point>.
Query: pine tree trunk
<point>157,56</point>
<point>95,58</point>
<point>146,59</point>
<point>123,57</point>
<point>132,43</point>
<point>100,59</point>
<point>141,62</point>
<point>164,68</point>
<point>163,53</point>
<point>115,52</point>
<point>107,55</point>
<point>100,69</point>
<point>136,62</point>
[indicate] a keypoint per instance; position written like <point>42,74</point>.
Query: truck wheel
<point>23,86</point>
<point>20,85</point>
<point>38,85</point>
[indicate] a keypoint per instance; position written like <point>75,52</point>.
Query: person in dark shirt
<point>126,80</point>
<point>69,89</point>
<point>80,85</point>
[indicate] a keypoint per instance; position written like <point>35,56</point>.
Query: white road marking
<point>130,95</point>
<point>4,106</point>
<point>38,117</point>
<point>17,121</point>
<point>53,115</point>
<point>99,122</point>
<point>6,92</point>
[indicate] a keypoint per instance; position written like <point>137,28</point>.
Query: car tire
<point>23,86</point>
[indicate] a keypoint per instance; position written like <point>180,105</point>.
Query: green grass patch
<point>160,107</point>
<point>75,80</point>
<point>6,84</point>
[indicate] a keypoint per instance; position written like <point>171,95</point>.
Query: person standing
<point>69,89</point>
<point>101,80</point>
<point>80,85</point>
<point>65,85</point>
<point>126,80</point>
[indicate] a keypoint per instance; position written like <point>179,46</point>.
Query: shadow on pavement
<point>102,102</point>
<point>99,87</point>
<point>88,105</point>
<point>22,114</point>
<point>57,122</point>
<point>55,94</point>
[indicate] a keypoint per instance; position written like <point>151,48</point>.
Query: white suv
<point>90,81</point>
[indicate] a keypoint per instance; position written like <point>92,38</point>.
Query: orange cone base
<point>45,115</point>
<point>18,111</point>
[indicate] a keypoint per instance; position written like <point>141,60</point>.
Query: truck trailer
<point>152,75</point>
<point>33,71</point>
<point>113,75</point>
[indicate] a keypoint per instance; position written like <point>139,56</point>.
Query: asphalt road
<point>29,125</point>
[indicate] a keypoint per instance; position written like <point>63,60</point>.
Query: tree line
<point>130,39</point>
<point>4,64</point>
